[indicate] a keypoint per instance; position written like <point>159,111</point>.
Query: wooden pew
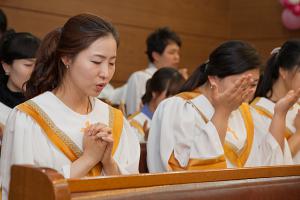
<point>282,182</point>
<point>143,168</point>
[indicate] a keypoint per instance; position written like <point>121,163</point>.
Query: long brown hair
<point>78,33</point>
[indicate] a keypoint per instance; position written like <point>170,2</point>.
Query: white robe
<point>137,122</point>
<point>4,112</point>
<point>25,142</point>
<point>136,87</point>
<point>290,117</point>
<point>114,95</point>
<point>178,127</point>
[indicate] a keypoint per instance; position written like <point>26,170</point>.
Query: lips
<point>100,87</point>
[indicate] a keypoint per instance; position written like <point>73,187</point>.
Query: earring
<point>67,66</point>
<point>7,73</point>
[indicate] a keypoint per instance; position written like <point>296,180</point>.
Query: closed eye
<point>96,62</point>
<point>28,65</point>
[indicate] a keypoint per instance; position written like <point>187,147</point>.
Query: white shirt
<point>136,87</point>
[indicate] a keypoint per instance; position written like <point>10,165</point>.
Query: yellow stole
<point>239,159</point>
<point>196,164</point>
<point>62,141</point>
<point>263,111</point>
<point>136,124</point>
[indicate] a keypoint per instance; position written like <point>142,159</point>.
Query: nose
<point>104,71</point>
<point>177,57</point>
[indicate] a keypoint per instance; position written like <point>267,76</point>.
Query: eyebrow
<point>101,56</point>
<point>31,59</point>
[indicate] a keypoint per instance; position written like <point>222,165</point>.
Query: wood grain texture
<point>201,24</point>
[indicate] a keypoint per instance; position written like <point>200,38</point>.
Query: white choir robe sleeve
<point>24,143</point>
<point>266,146</point>
<point>176,126</point>
<point>136,87</point>
<point>127,155</point>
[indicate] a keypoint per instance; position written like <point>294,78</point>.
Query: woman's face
<point>19,72</point>
<point>292,79</point>
<point>91,70</point>
<point>228,82</point>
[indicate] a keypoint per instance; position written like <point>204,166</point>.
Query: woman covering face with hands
<point>63,125</point>
<point>213,126</point>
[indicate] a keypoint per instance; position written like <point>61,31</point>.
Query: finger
<point>108,139</point>
<point>97,127</point>
<point>298,93</point>
<point>103,127</point>
<point>237,87</point>
<point>292,97</point>
<point>248,95</point>
<point>100,135</point>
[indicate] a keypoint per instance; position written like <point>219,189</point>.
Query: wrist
<point>110,167</point>
<point>89,160</point>
<point>280,114</point>
<point>108,162</point>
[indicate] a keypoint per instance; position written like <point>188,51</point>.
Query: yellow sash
<point>240,159</point>
<point>138,126</point>
<point>196,164</point>
<point>263,111</point>
<point>135,123</point>
<point>62,141</point>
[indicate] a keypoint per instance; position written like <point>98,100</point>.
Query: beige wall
<point>202,24</point>
<point>259,22</point>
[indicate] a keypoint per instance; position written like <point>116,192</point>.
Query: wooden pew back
<point>282,182</point>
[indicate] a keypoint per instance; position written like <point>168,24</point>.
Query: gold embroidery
<point>63,136</point>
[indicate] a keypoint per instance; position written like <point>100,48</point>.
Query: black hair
<point>159,40</point>
<point>288,58</point>
<point>165,79</point>
<point>14,46</point>
<point>230,58</point>
<point>18,46</point>
<point>3,22</point>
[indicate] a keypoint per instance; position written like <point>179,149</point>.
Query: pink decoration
<point>296,9</point>
<point>290,20</point>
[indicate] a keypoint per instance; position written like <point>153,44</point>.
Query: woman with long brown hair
<point>63,125</point>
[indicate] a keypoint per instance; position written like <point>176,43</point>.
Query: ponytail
<point>198,78</point>
<point>49,69</point>
<point>267,79</point>
<point>148,94</point>
<point>287,57</point>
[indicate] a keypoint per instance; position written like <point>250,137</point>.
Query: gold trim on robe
<point>263,111</point>
<point>239,159</point>
<point>138,126</point>
<point>62,141</point>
